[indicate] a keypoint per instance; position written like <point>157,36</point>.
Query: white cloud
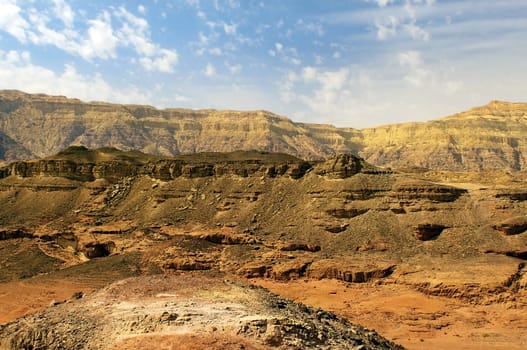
<point>181,98</point>
<point>163,61</point>
<point>216,51</point>
<point>452,87</point>
<point>294,61</point>
<point>18,72</point>
<point>141,9</point>
<point>416,32</point>
<point>203,39</point>
<point>135,32</point>
<point>201,15</point>
<point>309,73</point>
<point>383,3</point>
<point>101,39</point>
<point>310,27</point>
<point>235,69</point>
<point>193,3</point>
<point>288,55</point>
<point>327,89</point>
<point>387,28</point>
<point>64,12</point>
<point>209,71</point>
<point>234,3</point>
<point>230,29</point>
<point>389,20</point>
<point>11,21</point>
<point>412,61</point>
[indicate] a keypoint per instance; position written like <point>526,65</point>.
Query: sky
<point>350,63</point>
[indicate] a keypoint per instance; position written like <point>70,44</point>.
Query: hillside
<point>488,137</point>
<point>36,126</point>
<point>422,262</point>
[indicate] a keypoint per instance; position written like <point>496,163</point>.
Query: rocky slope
<point>266,215</point>
<point>185,312</point>
<point>92,217</point>
<point>36,126</point>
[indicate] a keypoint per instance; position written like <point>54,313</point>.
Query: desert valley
<point>127,226</point>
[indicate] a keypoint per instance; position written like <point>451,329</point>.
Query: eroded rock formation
<point>36,126</point>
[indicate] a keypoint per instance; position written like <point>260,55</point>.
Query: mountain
<point>37,126</point>
<point>493,136</point>
<point>434,259</point>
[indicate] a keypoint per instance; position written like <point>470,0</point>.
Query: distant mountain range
<point>493,136</point>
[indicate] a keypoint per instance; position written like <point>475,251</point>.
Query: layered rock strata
<point>487,137</point>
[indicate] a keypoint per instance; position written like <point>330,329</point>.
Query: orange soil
<point>410,318</point>
<point>399,313</point>
<point>27,296</point>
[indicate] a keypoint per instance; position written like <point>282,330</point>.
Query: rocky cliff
<point>488,137</point>
<point>87,218</point>
<point>36,126</point>
<point>81,164</point>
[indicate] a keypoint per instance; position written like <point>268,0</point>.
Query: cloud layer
<point>103,35</point>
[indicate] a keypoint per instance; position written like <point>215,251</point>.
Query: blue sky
<point>348,63</point>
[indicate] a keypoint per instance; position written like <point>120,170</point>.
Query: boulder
<point>349,271</point>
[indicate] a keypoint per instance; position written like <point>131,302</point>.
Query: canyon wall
<point>37,126</point>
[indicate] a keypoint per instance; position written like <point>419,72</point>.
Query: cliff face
<point>489,137</point>
<point>81,164</point>
<point>45,125</point>
<point>36,126</point>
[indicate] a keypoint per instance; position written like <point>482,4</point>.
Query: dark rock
<point>98,250</point>
<point>512,226</point>
<point>14,233</point>
<point>426,232</point>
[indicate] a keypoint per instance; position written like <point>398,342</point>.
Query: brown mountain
<point>36,126</point>
<point>426,263</point>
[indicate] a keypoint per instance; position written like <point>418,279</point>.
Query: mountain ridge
<point>38,125</point>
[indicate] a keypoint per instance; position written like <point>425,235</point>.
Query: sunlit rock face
<point>35,126</point>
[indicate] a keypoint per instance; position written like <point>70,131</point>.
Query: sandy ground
<point>185,311</point>
<point>399,313</point>
<point>24,297</point>
<point>189,342</point>
<point>410,318</point>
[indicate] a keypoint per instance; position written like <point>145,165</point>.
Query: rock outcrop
<point>263,216</point>
<point>426,232</point>
<point>512,226</point>
<point>81,164</point>
<point>148,312</point>
<point>487,137</point>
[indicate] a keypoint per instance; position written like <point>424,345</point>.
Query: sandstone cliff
<point>488,137</point>
<point>36,126</point>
